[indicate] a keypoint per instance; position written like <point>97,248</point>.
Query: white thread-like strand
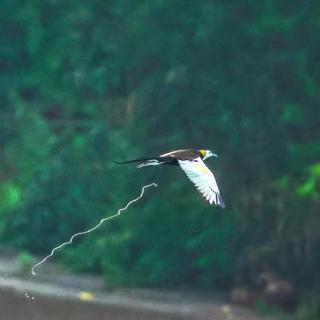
<point>92,229</point>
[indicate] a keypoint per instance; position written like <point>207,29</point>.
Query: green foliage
<point>25,260</point>
<point>84,83</point>
<point>266,310</point>
<point>311,186</point>
<point>10,196</point>
<point>309,308</point>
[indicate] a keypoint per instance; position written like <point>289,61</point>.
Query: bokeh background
<point>86,83</point>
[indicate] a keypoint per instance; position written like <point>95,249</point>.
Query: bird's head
<point>205,154</point>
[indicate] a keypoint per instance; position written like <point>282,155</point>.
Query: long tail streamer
<point>92,229</point>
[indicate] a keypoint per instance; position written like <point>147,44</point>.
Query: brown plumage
<point>170,157</point>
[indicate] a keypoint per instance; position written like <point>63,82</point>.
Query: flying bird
<point>191,162</point>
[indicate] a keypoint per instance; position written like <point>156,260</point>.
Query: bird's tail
<point>144,162</point>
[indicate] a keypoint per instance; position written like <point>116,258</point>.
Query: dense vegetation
<point>84,83</point>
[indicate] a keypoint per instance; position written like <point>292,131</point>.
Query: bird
<point>191,161</point>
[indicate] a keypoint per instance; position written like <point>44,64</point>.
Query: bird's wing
<point>203,179</point>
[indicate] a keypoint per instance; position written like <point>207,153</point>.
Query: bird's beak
<point>215,155</point>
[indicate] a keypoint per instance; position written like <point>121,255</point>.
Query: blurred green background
<point>85,83</point>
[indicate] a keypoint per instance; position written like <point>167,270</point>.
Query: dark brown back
<point>186,154</point>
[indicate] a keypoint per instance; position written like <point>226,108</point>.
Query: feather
<point>203,179</point>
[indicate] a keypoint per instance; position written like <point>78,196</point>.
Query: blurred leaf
<point>10,196</point>
<point>311,186</point>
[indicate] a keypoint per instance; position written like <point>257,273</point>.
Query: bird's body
<point>191,162</point>
<point>186,154</point>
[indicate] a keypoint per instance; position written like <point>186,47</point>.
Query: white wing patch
<point>203,179</point>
